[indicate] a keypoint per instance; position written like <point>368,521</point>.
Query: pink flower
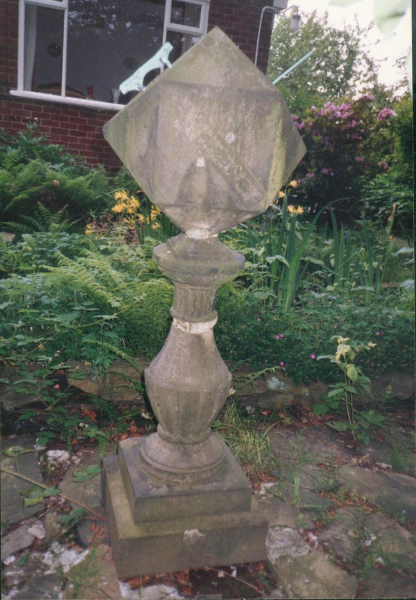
<point>300,125</point>
<point>281,335</point>
<point>56,386</point>
<point>258,319</point>
<point>313,356</point>
<point>383,165</point>
<point>313,108</point>
<point>367,97</point>
<point>282,364</point>
<point>310,175</point>
<point>325,171</point>
<point>358,159</point>
<point>294,117</point>
<point>385,113</point>
<point>377,333</point>
<point>277,337</point>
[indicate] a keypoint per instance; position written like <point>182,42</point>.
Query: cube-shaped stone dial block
<point>210,141</point>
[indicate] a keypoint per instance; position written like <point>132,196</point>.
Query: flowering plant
<point>346,142</point>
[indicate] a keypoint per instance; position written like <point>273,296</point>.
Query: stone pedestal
<point>178,499</point>
<point>160,528</point>
<point>211,142</point>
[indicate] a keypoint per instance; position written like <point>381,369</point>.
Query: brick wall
<point>79,128</point>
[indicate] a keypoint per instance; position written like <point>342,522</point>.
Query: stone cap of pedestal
<point>210,141</point>
<point>198,262</point>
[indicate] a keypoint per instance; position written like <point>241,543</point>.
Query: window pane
<point>181,42</point>
<point>184,13</point>
<point>108,41</point>
<point>43,49</point>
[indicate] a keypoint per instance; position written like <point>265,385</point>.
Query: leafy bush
<point>35,176</point>
<point>345,142</point>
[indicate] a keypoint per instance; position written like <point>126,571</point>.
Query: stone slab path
<point>339,527</point>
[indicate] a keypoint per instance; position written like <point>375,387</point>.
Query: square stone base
<point>153,500</point>
<point>149,548</point>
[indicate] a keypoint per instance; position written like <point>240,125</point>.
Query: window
<point>80,51</point>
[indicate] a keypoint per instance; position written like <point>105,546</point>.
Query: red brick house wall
<point>80,128</point>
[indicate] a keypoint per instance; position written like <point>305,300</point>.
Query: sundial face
<point>210,141</point>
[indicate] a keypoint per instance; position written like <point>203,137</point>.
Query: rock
<point>90,493</point>
<point>37,530</point>
<point>342,535</point>
<point>285,542</point>
<point>270,399</point>
<point>313,576</point>
<point>155,592</point>
<point>317,480</point>
<point>41,587</point>
<point>87,492</point>
<point>380,583</point>
<point>392,542</point>
<point>392,492</point>
<point>90,530</point>
<point>102,582</point>
<point>316,390</point>
<point>19,539</point>
<point>53,529</point>
<point>118,383</point>
<point>281,514</point>
<point>400,385</point>
<point>30,581</point>
<point>313,506</point>
<point>276,593</point>
<point>312,446</point>
<point>12,505</point>
<point>11,398</point>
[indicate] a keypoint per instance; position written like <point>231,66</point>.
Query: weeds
<point>249,444</point>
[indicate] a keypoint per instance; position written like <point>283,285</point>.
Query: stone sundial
<point>210,142</point>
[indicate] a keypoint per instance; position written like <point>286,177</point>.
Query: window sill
<point>69,101</point>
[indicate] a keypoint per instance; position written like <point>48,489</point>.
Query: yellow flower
<point>121,195</point>
<point>291,209</point>
<point>118,208</point>
<point>155,225</point>
<point>88,229</point>
<point>293,183</point>
<point>299,210</point>
<point>342,350</point>
<point>281,195</point>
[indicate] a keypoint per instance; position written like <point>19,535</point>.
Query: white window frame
<point>62,5</point>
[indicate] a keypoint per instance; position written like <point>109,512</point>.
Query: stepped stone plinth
<point>210,142</point>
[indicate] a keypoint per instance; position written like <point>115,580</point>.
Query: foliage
<point>275,246</point>
<point>41,187</point>
<point>347,144</point>
<point>249,444</point>
<point>17,150</point>
<point>263,336</point>
<point>133,218</point>
<point>339,64</point>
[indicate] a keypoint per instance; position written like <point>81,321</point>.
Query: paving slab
<point>312,505</point>
<point>12,503</point>
<point>309,574</point>
<point>341,536</point>
<point>392,542</point>
<point>380,583</point>
<point>17,540</point>
<point>282,514</point>
<point>392,492</point>
<point>311,446</point>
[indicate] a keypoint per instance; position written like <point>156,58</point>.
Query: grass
<point>249,444</point>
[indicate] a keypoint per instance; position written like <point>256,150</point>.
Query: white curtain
<point>30,45</point>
